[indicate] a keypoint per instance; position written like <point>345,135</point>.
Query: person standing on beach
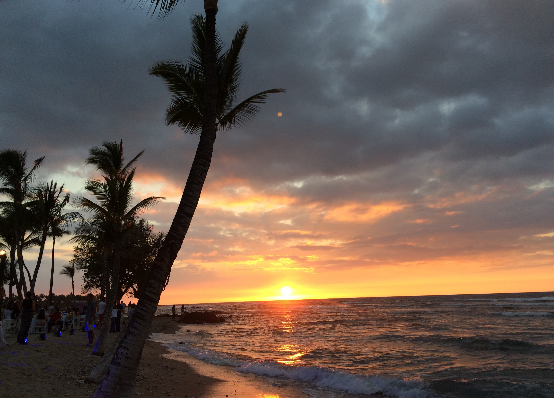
<point>89,318</point>
<point>27,311</point>
<point>173,312</point>
<point>182,309</point>
<point>2,341</point>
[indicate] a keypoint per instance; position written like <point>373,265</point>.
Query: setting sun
<point>286,291</point>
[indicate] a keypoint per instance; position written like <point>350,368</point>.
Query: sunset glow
<point>366,178</point>
<point>286,291</point>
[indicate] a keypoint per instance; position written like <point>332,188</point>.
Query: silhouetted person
<point>27,311</point>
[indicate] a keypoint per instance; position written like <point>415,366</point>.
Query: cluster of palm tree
<point>114,247</point>
<point>203,92</point>
<point>28,216</point>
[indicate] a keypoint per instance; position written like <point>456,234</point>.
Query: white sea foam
<point>531,299</point>
<point>522,313</point>
<point>317,376</point>
<point>337,380</point>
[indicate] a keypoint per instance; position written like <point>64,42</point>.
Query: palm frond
<point>185,114</point>
<point>246,110</point>
<point>198,24</point>
<point>180,79</point>
<point>143,205</point>
<point>162,7</point>
<point>230,70</point>
<point>89,205</point>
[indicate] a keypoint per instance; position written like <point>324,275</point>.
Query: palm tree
<point>186,84</point>
<point>69,270</point>
<point>121,375</point>
<point>58,228</point>
<point>113,211</point>
<point>16,179</point>
<point>46,205</point>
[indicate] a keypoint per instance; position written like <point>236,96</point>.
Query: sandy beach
<point>58,366</point>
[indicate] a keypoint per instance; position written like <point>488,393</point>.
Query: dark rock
<point>199,317</point>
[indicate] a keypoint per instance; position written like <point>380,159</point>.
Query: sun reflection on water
<point>287,325</point>
<point>296,353</point>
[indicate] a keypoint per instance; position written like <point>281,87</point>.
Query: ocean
<point>470,346</point>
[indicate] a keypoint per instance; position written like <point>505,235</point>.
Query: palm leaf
<point>185,114</point>
<point>178,78</point>
<point>246,110</point>
<point>142,205</point>
<point>230,71</point>
<point>198,24</point>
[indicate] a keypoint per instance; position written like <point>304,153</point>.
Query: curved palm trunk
<point>120,378</point>
<point>18,247</point>
<point>100,344</point>
<point>52,272</point>
<point>13,274</point>
<point>96,374</point>
<point>33,280</point>
<point>22,267</point>
<point>106,276</point>
<point>27,270</point>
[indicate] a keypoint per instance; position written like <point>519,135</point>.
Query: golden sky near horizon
<point>410,155</point>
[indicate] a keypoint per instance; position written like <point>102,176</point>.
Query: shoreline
<point>224,381</point>
<point>58,366</point>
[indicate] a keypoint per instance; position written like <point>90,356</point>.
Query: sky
<point>412,153</point>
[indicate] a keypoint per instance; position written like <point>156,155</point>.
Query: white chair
<point>9,326</point>
<point>76,321</point>
<point>39,326</point>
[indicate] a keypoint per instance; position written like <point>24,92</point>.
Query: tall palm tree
<point>113,211</point>
<point>16,179</point>
<point>186,84</point>
<point>58,228</point>
<point>69,270</point>
<point>121,375</point>
<point>47,206</point>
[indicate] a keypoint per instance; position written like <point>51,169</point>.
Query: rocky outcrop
<point>199,317</point>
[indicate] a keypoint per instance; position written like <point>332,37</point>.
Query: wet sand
<point>59,365</point>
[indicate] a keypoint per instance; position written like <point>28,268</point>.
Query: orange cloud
<point>363,213</point>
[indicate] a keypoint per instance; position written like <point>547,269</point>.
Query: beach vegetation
<point>59,227</point>
<point>47,203</point>
<point>16,178</point>
<point>200,103</point>
<point>69,271</point>
<point>137,255</point>
<point>112,216</point>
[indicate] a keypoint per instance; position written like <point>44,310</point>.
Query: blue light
<point>59,333</point>
<point>25,341</point>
